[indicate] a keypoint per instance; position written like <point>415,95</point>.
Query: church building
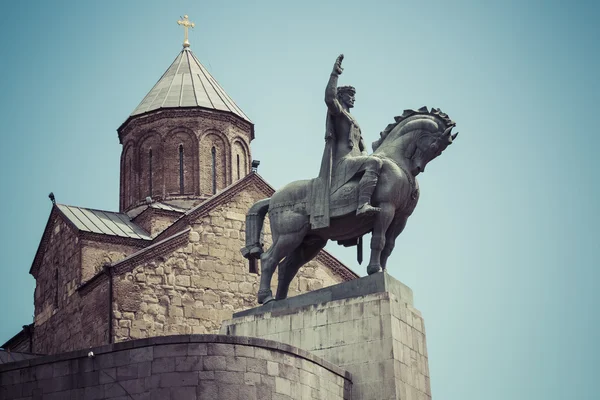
<point>168,262</point>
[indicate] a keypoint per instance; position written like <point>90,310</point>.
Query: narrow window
<point>214,169</point>
<point>150,172</point>
<point>238,167</point>
<point>56,288</point>
<point>131,184</point>
<point>128,185</point>
<point>181,186</point>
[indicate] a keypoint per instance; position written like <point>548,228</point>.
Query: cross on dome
<point>186,24</point>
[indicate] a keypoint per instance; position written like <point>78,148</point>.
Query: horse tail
<point>254,225</point>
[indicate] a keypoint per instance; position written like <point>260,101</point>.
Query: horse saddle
<point>344,200</point>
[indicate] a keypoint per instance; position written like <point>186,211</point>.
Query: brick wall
<point>240,160</point>
<point>198,131</point>
<point>189,159</point>
<point>179,367</point>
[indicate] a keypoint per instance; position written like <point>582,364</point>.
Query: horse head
<point>416,138</point>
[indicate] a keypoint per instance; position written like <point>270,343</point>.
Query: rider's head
<point>346,95</point>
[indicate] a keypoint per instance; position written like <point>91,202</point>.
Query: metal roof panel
<point>186,83</point>
<point>103,222</point>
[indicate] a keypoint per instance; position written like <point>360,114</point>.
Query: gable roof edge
<point>54,212</point>
<point>217,200</point>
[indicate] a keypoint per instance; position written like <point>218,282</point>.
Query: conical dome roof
<point>188,84</point>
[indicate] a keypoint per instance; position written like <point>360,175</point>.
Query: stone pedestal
<point>366,326</point>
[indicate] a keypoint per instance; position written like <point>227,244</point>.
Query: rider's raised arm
<point>331,100</point>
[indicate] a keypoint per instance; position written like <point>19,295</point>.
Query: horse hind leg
<point>283,244</point>
<point>291,265</point>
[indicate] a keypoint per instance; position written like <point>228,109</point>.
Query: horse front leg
<point>292,263</point>
<point>395,229</point>
<point>283,245</point>
<point>267,267</point>
<point>382,222</point>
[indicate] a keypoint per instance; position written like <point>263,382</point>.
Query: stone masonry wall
<point>58,274</point>
<point>67,318</point>
<point>378,337</point>
<point>64,319</point>
<point>154,222</point>
<point>94,255</point>
<point>179,368</point>
<point>191,290</point>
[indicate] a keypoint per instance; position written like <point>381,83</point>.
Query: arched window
<point>150,173</point>
<point>216,163</point>
<point>239,164</point>
<point>131,183</point>
<point>181,185</point>
<point>213,152</point>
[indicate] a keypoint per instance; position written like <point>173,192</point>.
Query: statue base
<point>367,326</point>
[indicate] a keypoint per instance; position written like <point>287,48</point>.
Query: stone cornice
<point>219,199</point>
<point>92,283</point>
<point>226,195</point>
<point>176,339</point>
<point>127,264</point>
<point>157,211</point>
<point>113,239</point>
<point>136,121</point>
<point>160,248</point>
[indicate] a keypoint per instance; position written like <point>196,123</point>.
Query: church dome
<point>187,83</point>
<point>186,141</point>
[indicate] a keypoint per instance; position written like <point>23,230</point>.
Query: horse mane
<point>435,112</point>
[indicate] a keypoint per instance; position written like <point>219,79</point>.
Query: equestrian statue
<point>354,194</point>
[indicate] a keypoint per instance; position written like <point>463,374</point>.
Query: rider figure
<point>345,150</point>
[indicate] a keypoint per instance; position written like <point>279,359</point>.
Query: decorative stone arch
<point>150,162</point>
<point>181,162</point>
<point>240,159</point>
<point>215,156</point>
<point>128,175</point>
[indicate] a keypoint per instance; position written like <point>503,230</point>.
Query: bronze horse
<point>405,147</point>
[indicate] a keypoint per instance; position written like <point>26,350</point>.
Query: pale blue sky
<point>501,252</point>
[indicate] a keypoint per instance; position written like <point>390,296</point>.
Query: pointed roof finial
<point>186,24</point>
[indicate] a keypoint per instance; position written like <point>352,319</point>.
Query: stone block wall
<point>82,322</point>
<point>154,221</point>
<point>65,318</point>
<point>57,274</point>
<point>95,254</point>
<point>179,368</point>
<point>378,336</point>
<point>194,288</point>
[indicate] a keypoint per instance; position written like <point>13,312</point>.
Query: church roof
<point>103,222</point>
<point>186,83</point>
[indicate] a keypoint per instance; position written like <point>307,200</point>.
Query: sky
<point>502,250</point>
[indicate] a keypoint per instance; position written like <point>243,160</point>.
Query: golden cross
<point>186,24</point>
